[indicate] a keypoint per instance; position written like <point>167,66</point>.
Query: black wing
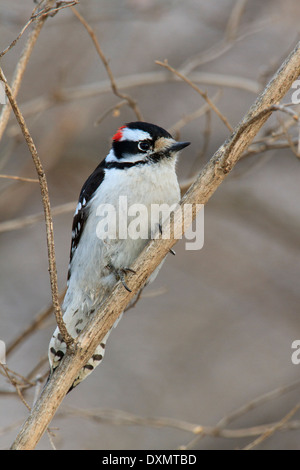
<point>82,210</point>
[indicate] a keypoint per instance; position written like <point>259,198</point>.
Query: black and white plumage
<point>141,166</point>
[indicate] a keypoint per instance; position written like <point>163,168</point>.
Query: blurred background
<point>215,329</point>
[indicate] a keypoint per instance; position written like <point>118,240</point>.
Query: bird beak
<point>177,146</point>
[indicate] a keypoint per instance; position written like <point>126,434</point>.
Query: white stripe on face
<point>111,157</point>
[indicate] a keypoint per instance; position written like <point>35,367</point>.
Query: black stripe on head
<point>124,147</point>
<point>128,147</point>
<point>125,165</point>
<point>152,129</point>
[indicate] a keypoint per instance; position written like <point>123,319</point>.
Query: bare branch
<point>175,128</point>
<point>21,66</point>
<point>47,210</point>
<point>47,11</point>
<point>15,383</point>
<point>122,418</point>
<point>19,178</point>
<point>234,20</point>
<point>38,320</point>
<point>273,428</point>
<point>218,49</point>
<point>197,89</point>
<point>218,430</point>
<point>66,95</point>
<point>21,222</point>
<point>131,102</point>
<point>115,110</point>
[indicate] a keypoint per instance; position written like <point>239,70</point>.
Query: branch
<point>197,89</point>
<point>65,95</point>
<point>210,178</point>
<point>35,16</point>
<point>47,210</point>
<point>21,66</point>
<point>123,418</point>
<point>21,222</point>
<point>19,178</point>
<point>131,102</point>
<point>220,427</point>
<point>34,325</point>
<point>268,432</point>
<point>175,128</point>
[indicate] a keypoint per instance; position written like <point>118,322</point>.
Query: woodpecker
<point>140,166</point>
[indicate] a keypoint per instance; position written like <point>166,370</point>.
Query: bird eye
<point>143,146</point>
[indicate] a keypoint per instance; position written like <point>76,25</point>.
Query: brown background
<point>220,334</point>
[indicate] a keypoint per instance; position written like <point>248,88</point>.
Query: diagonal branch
<point>197,89</point>
<point>209,179</point>
<point>36,15</point>
<point>269,431</point>
<point>131,102</point>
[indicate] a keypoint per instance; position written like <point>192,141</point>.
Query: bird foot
<point>120,274</point>
<point>161,232</point>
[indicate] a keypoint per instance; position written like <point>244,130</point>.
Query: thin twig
<point>131,102</point>
<point>34,325</point>
<point>31,376</point>
<point>218,49</point>
<point>21,222</point>
<point>19,178</point>
<point>47,210</point>
<point>17,378</point>
<point>273,429</point>
<point>217,430</point>
<point>197,89</point>
<point>234,20</point>
<point>66,95</point>
<point>175,128</point>
<point>21,67</point>
<point>15,384</point>
<point>185,184</point>
<point>123,418</point>
<point>261,147</point>
<point>253,404</point>
<point>115,110</point>
<point>47,11</point>
<point>14,42</point>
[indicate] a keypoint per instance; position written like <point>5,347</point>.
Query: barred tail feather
<point>57,350</point>
<point>92,363</point>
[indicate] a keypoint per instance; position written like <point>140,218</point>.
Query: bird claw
<point>120,274</point>
<point>161,232</point>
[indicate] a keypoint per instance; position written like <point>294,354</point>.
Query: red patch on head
<point>119,134</point>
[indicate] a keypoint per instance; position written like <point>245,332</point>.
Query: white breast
<point>145,184</point>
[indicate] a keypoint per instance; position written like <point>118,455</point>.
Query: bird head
<point>142,142</point>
